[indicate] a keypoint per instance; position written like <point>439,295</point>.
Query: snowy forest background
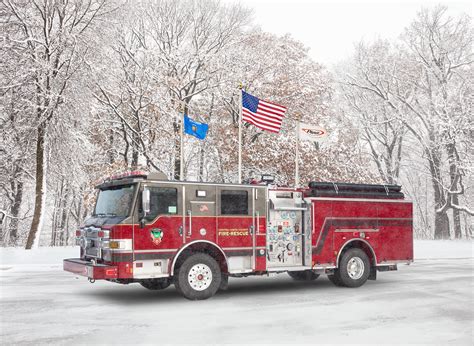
<point>95,87</point>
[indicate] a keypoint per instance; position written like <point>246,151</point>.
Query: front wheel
<point>199,277</point>
<point>354,269</point>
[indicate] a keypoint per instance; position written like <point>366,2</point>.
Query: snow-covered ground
<point>430,301</point>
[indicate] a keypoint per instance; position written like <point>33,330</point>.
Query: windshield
<point>115,201</point>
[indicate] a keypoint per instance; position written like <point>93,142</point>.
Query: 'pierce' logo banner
<point>312,133</point>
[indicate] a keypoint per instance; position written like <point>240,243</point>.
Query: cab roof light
<point>131,174</point>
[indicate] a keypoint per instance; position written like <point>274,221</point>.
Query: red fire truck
<point>196,235</point>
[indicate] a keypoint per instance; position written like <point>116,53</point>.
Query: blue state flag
<point>195,128</point>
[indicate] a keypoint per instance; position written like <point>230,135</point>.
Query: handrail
<point>290,208</point>
<point>190,215</point>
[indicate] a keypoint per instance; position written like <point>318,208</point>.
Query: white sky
<point>330,28</point>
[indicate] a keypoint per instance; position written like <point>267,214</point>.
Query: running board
<point>288,269</point>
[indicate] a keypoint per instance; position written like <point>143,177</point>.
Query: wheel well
<point>202,247</point>
<point>364,246</point>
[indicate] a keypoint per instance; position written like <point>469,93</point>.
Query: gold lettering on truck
<point>232,232</point>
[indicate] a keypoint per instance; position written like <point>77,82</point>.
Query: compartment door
<point>287,230</point>
<point>236,226</point>
<point>200,210</point>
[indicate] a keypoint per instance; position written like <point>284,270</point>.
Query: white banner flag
<point>312,133</point>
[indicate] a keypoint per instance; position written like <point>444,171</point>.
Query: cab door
<point>159,234</point>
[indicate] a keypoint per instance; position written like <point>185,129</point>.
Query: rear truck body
<point>196,235</point>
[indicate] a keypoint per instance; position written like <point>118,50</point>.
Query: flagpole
<point>181,152</point>
<point>240,134</point>
<point>297,156</point>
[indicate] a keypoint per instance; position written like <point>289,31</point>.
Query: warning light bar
<point>132,174</point>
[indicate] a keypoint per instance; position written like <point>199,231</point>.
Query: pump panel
<point>286,236</point>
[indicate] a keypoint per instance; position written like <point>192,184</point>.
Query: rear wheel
<point>156,284</point>
<point>304,275</point>
<point>354,269</point>
<point>199,277</point>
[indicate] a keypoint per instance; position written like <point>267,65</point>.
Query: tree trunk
<point>66,228</point>
<point>54,221</point>
<point>79,208</point>
<point>127,145</point>
<point>135,152</point>
<point>134,158</point>
<point>64,214</point>
<point>201,163</point>
<point>454,177</point>
<point>39,187</point>
<point>441,225</point>
<point>14,212</point>
<point>456,218</point>
<point>110,152</point>
<point>441,230</point>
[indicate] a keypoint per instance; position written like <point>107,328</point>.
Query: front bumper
<point>90,270</point>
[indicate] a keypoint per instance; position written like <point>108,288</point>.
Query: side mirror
<point>146,202</point>
<point>145,206</point>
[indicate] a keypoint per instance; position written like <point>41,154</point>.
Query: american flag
<point>265,115</point>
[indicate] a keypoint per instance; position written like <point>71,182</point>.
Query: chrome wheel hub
<point>200,277</point>
<point>355,268</point>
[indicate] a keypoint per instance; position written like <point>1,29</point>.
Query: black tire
<point>304,275</point>
<point>199,277</point>
<point>343,276</point>
<point>156,284</point>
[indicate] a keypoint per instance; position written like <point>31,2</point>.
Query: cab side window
<point>234,202</point>
<point>163,201</point>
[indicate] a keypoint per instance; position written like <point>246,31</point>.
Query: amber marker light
<point>114,244</point>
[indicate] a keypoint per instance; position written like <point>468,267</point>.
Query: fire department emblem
<point>156,236</point>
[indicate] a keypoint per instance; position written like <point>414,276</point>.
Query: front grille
<point>93,252</point>
<point>91,242</point>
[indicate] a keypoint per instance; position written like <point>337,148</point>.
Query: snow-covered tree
<point>423,83</point>
<point>376,122</point>
<point>91,88</point>
<point>49,37</point>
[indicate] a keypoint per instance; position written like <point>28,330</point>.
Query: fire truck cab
<point>195,235</point>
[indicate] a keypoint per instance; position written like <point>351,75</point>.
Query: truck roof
<point>140,179</point>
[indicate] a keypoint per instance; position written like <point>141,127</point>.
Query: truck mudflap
<point>89,269</point>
